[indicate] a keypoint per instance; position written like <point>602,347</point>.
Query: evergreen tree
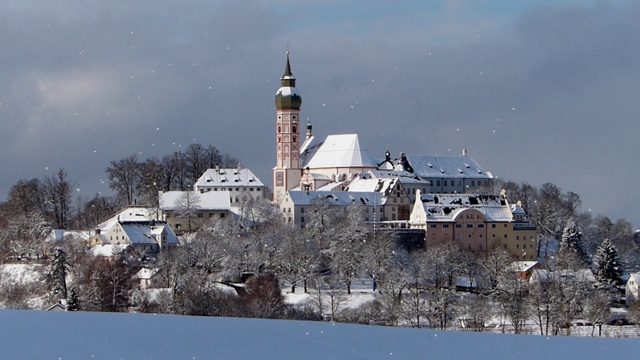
<point>606,264</point>
<point>56,275</point>
<point>72,301</point>
<point>572,240</point>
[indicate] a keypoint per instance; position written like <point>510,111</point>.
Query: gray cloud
<point>83,83</point>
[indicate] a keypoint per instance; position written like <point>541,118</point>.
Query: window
<point>469,225</point>
<point>505,236</point>
<point>445,183</point>
<point>302,219</point>
<point>480,246</point>
<point>517,246</point>
<point>302,210</point>
<point>445,226</point>
<point>458,226</point>
<point>434,226</point>
<point>517,237</point>
<point>222,215</point>
<point>493,225</point>
<point>200,215</point>
<point>480,226</point>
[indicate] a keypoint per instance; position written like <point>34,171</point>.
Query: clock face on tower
<point>279,179</point>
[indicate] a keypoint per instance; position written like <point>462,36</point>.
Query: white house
<point>236,183</point>
<point>181,209</point>
<point>632,288</point>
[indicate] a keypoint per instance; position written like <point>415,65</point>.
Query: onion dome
<point>287,96</point>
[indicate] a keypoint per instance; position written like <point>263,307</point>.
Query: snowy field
<point>67,335</point>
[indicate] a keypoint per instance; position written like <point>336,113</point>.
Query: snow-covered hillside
<point>82,335</point>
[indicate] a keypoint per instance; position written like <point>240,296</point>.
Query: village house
<point>191,210</point>
<point>136,227</point>
<point>479,223</point>
<point>235,183</point>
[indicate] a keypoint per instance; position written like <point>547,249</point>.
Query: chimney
<point>464,152</point>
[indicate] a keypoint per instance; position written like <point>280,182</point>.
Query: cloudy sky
<point>537,91</point>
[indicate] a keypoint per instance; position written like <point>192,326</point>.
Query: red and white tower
<point>287,172</point>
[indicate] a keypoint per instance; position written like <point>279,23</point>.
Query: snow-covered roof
<point>145,234</point>
<point>337,151</point>
<point>145,273</point>
<point>446,207</point>
<point>339,198</point>
<point>635,277</point>
<point>106,250</point>
<point>522,266</point>
<point>227,178</point>
<point>129,214</point>
<point>405,177</point>
<point>334,186</point>
<point>434,166</point>
<point>373,185</point>
<point>287,90</point>
<point>210,200</point>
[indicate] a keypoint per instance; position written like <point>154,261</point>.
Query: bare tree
<point>495,268</point>
<point>328,294</point>
<point>58,197</point>
<point>377,255</point>
<point>195,157</point>
<point>124,177</point>
<point>187,206</point>
<point>151,183</point>
<point>296,257</point>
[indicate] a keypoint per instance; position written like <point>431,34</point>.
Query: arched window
<point>279,129</point>
<point>294,128</point>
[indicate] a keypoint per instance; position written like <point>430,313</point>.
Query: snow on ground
<point>83,335</point>
<point>21,273</point>
<point>361,292</point>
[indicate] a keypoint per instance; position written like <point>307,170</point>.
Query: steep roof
<point>446,207</point>
<point>129,214</point>
<point>149,233</point>
<point>373,185</point>
<point>431,166</point>
<point>336,151</point>
<point>227,178</point>
<point>404,177</point>
<point>105,250</point>
<point>339,198</point>
<point>210,200</point>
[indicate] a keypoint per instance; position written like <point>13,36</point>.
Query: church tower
<point>287,172</point>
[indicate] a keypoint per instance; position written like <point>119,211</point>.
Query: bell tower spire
<point>287,172</point>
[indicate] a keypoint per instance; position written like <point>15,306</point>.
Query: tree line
<point>35,206</point>
<point>324,259</point>
<point>237,268</point>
